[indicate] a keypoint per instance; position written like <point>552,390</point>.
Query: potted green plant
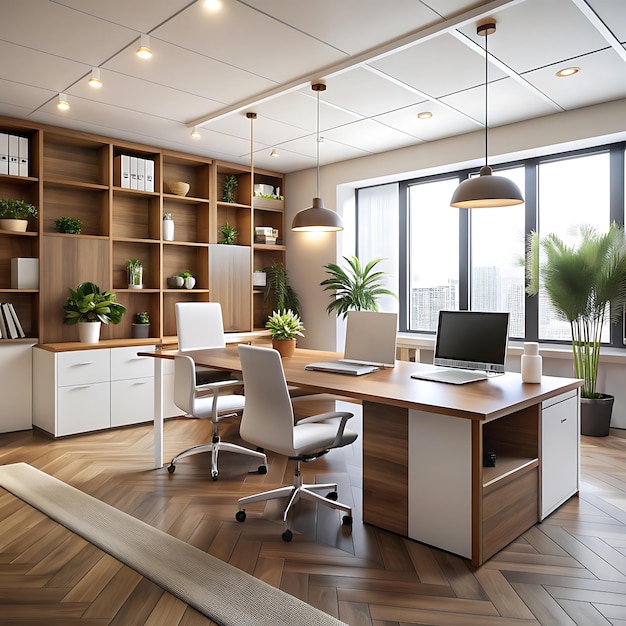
<point>356,288</point>
<point>279,295</point>
<point>134,268</point>
<point>229,188</point>
<point>584,283</point>
<point>229,234</point>
<point>188,280</point>
<point>69,225</point>
<point>141,325</point>
<point>14,214</point>
<point>284,327</point>
<point>88,307</point>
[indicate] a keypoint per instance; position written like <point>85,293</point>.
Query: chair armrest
<point>345,416</point>
<point>217,386</point>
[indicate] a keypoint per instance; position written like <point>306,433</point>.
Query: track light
<point>62,103</point>
<point>94,79</point>
<point>195,133</point>
<point>144,52</point>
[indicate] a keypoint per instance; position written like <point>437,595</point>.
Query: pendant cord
<point>318,144</point>
<point>486,98</point>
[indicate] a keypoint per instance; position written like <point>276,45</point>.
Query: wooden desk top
<point>482,400</point>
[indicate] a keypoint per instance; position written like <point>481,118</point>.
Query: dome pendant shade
<point>317,219</point>
<point>486,191</point>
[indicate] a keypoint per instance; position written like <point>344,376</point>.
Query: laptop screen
<point>371,337</point>
<point>472,340</point>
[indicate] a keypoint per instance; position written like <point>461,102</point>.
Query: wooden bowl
<point>179,188</point>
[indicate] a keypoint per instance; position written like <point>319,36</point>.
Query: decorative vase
<point>135,277</point>
<point>141,331</point>
<point>7,223</point>
<point>89,332</point>
<point>531,363</point>
<point>595,415</point>
<point>190,282</point>
<point>286,347</point>
<point>168,229</point>
<point>175,282</point>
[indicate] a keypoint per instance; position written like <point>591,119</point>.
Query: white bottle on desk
<point>531,363</point>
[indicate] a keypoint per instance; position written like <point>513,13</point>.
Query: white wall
<point>308,253</point>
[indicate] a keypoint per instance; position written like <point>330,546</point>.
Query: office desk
<point>423,444</point>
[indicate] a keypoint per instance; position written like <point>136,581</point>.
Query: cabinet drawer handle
<point>77,387</point>
<point>85,363</point>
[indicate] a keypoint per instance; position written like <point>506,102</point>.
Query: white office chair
<point>268,422</point>
<point>213,406</point>
<point>200,325</point>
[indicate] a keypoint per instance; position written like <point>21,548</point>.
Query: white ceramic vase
<point>168,230</point>
<point>89,332</point>
<point>190,282</point>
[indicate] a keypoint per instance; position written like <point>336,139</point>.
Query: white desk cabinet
<point>560,458</point>
<point>82,390</point>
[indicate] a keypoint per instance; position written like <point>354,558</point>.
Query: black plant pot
<point>595,415</point>
<point>141,331</point>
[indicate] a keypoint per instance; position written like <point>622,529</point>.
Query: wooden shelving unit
<point>78,175</point>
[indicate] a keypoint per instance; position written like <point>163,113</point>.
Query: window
<point>449,258</point>
<point>497,244</point>
<point>567,200</point>
<point>433,253</point>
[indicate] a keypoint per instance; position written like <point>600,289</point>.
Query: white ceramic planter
<point>19,226</point>
<point>89,332</point>
<point>190,282</point>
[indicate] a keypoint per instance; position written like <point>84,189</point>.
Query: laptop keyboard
<point>456,377</point>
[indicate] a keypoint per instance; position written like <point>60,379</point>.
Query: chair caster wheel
<point>259,449</point>
<point>214,475</point>
<point>262,469</point>
<point>332,495</point>
<point>240,516</point>
<point>287,536</point>
<point>347,520</point>
<point>171,469</point>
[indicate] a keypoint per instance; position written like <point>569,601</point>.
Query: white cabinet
<point>560,446</point>
<point>132,387</point>
<point>78,391</point>
<point>16,365</point>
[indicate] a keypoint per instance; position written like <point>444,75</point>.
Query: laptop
<point>470,346</point>
<point>370,344</point>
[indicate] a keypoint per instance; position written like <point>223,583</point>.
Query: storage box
<point>24,273</point>
<point>259,279</point>
<point>263,231</point>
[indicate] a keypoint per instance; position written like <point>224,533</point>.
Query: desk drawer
<point>126,364</point>
<point>83,367</point>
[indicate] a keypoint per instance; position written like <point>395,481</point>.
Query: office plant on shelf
<point>141,325</point>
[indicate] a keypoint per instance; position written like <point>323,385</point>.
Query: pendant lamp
<point>317,218</point>
<point>486,190</point>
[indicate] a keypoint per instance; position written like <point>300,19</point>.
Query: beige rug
<point>220,591</point>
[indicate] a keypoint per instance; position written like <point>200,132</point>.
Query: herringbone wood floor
<point>570,569</point>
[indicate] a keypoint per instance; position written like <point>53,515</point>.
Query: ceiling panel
<point>382,64</point>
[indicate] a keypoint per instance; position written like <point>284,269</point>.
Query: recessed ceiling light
<point>62,103</point>
<point>424,115</point>
<point>274,153</point>
<point>213,5</point>
<point>195,134</point>
<point>94,79</point>
<point>144,52</point>
<point>568,71</point>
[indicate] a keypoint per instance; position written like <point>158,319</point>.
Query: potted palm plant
<point>88,307</point>
<point>284,327</point>
<point>585,284</point>
<point>357,288</point>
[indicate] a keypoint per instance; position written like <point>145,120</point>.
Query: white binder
<point>133,172</point>
<point>14,155</point>
<point>125,174</point>
<point>149,175</point>
<point>4,153</point>
<point>23,155</point>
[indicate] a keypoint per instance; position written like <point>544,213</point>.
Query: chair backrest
<point>184,383</point>
<point>199,325</point>
<point>371,336</point>
<point>267,419</point>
